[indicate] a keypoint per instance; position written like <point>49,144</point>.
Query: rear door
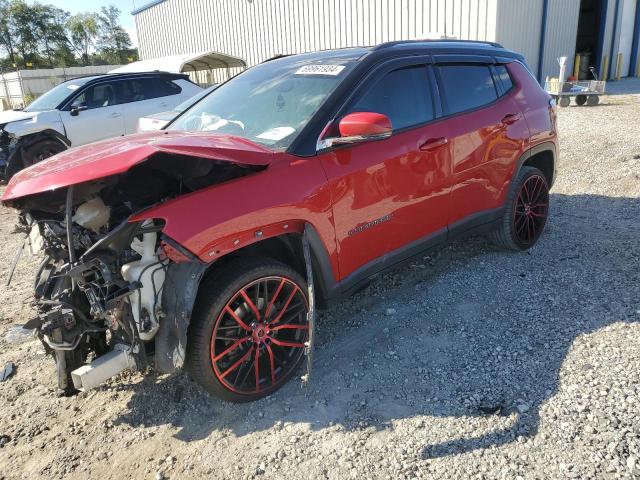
<point>146,96</point>
<point>390,195</point>
<point>100,118</point>
<point>487,132</point>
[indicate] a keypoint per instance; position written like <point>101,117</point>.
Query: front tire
<point>248,331</point>
<point>33,154</point>
<point>526,211</point>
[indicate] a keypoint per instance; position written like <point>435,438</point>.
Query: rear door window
<point>137,90</point>
<point>403,95</point>
<point>467,87</point>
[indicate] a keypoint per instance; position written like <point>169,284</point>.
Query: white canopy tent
<point>196,63</point>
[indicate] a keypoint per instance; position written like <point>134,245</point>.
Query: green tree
<point>114,42</point>
<point>83,32</point>
<point>22,27</point>
<point>49,24</point>
<point>7,40</point>
<point>36,34</point>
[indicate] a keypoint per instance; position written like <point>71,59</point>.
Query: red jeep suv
<point>206,245</point>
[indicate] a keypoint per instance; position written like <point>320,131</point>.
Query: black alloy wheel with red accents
<point>527,209</point>
<point>249,328</point>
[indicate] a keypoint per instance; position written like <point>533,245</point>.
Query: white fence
<point>19,87</point>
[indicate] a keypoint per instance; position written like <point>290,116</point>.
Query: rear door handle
<point>510,118</point>
<point>115,115</point>
<point>164,104</point>
<point>433,143</point>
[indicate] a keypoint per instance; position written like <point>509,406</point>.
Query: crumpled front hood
<point>14,116</point>
<point>114,156</point>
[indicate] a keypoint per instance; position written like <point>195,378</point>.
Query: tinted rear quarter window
<point>403,95</point>
<point>166,87</point>
<point>467,86</point>
<point>504,77</point>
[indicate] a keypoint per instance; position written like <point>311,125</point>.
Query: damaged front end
<point>113,293</point>
<point>7,144</point>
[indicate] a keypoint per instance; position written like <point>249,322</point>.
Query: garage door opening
<point>589,39</point>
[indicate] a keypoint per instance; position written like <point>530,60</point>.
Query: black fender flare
<point>182,282</point>
<point>326,288</point>
<point>48,134</point>
<point>536,149</point>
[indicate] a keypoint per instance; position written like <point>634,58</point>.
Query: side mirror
<point>76,109</point>
<point>359,127</point>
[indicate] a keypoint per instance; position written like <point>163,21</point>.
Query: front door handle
<point>115,115</point>
<point>433,143</point>
<point>510,118</point>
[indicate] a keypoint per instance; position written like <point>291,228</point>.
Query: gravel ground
<point>469,363</point>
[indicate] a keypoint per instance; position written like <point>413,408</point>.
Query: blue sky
<point>125,6</point>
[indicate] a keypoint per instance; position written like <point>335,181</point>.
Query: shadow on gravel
<point>477,333</point>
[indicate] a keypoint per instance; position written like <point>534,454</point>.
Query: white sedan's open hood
<point>184,63</point>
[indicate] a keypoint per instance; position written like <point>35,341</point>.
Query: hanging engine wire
<point>69,224</point>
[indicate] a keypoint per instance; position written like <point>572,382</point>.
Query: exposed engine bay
<point>100,289</point>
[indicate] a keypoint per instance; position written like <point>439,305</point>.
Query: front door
<point>390,195</point>
<point>100,118</point>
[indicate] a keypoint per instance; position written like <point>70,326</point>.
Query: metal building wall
<point>608,37</point>
<point>624,38</point>
<point>258,29</point>
<point>519,25</point>
<point>560,38</point>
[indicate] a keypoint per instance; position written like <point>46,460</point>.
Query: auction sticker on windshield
<point>320,70</point>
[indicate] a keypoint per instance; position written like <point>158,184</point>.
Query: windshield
<point>270,103</point>
<point>54,97</point>
<point>192,100</point>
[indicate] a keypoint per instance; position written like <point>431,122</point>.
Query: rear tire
<point>565,101</point>
<point>593,100</point>
<point>581,99</point>
<point>526,211</point>
<point>248,329</point>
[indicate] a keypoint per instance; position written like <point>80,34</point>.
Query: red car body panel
<point>393,183</point>
<point>534,104</point>
<point>117,155</point>
<point>218,220</point>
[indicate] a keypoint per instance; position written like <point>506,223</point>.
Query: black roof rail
<point>85,75</point>
<point>101,76</point>
<point>427,40</point>
<point>276,56</point>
